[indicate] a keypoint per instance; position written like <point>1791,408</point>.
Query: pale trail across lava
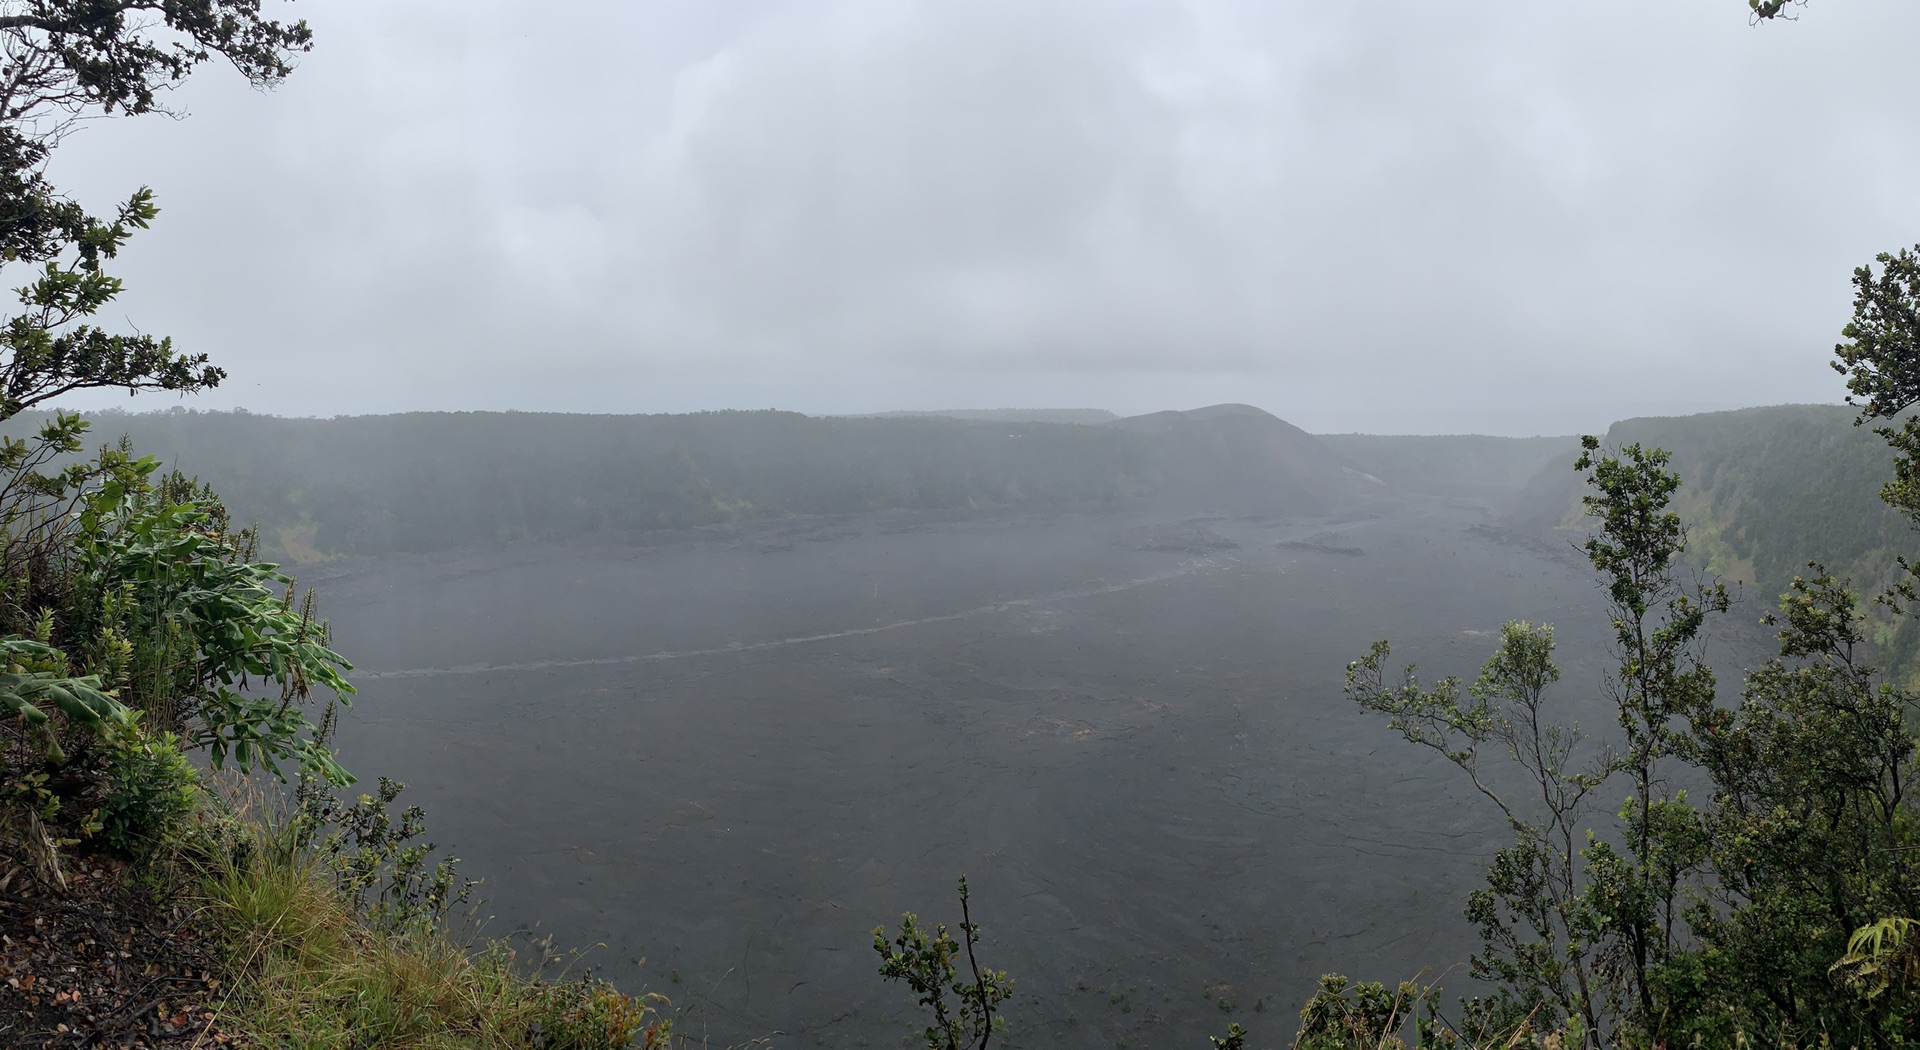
<point>1185,569</point>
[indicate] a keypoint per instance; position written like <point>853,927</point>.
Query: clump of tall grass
<point>309,967</point>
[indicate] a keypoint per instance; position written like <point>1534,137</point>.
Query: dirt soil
<point>726,758</point>
<point>102,965</point>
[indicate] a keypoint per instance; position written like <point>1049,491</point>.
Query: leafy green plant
<point>380,865</point>
<point>205,625</point>
<point>1370,1016</point>
<point>1811,834</point>
<point>1537,931</point>
<point>592,1014</point>
<point>46,714</point>
<point>1881,956</point>
<point>62,682</point>
<point>46,709</point>
<point>1663,686</point>
<point>36,681</point>
<point>72,59</point>
<point>134,621</point>
<point>925,960</point>
<point>383,865</point>
<point>152,791</point>
<point>1235,1039</point>
<point>139,576</point>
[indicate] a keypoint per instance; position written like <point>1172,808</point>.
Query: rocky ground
<point>102,965</point>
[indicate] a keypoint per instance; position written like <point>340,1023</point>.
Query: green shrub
<point>382,866</point>
<point>594,1015</point>
<point>199,621</point>
<point>152,791</point>
<point>1370,1016</point>
<point>1235,1039</point>
<point>926,960</point>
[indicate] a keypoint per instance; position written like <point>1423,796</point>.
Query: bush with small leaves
<point>925,960</point>
<point>1235,1039</point>
<point>594,1015</point>
<point>152,790</point>
<point>379,863</point>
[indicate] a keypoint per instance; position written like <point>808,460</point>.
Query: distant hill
<point>1474,465</point>
<point>1006,415</point>
<point>435,480</point>
<point>1241,459</point>
<point>1763,491</point>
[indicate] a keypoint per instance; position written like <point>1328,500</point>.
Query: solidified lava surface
<point>731,755</point>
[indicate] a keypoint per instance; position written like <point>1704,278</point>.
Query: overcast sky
<point>1390,216</point>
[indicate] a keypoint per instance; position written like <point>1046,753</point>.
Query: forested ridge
<point>432,481</point>
<point>1770,489</point>
<point>1765,491</point>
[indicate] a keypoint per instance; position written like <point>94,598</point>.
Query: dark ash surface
<point>734,765</point>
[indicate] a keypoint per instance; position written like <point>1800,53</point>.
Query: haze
<point>758,462</point>
<point>1399,217</point>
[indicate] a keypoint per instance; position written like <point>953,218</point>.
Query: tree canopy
<point>61,62</point>
<point>1764,10</point>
